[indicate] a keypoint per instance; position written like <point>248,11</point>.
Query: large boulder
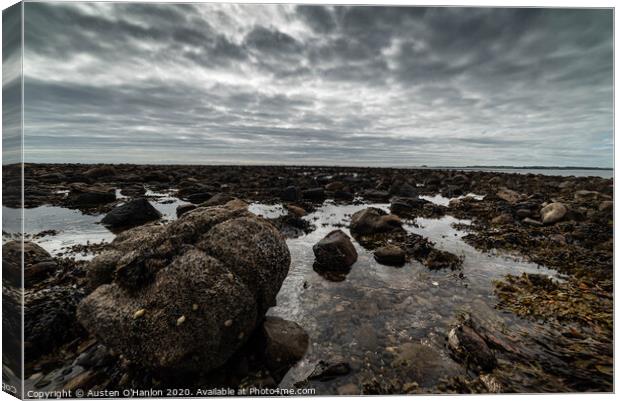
<point>372,220</point>
<point>100,171</point>
<point>186,296</point>
<point>406,206</point>
<point>38,264</point>
<point>335,251</point>
<point>133,213</point>
<point>553,212</point>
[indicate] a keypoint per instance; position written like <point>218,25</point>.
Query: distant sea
<point>607,173</point>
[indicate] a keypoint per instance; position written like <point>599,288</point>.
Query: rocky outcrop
<point>186,296</point>
<point>131,214</point>
<point>335,251</point>
<point>372,221</point>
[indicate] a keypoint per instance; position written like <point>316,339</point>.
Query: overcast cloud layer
<point>157,83</point>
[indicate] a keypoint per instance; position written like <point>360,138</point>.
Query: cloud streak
<point>208,83</point>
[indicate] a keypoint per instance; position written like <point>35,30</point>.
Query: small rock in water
<point>285,342</point>
<point>372,220</point>
<point>335,251</point>
<point>391,255</point>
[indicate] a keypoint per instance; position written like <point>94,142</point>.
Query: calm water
<point>560,172</point>
<point>373,318</point>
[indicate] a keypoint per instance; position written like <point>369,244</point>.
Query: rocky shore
<point>188,302</point>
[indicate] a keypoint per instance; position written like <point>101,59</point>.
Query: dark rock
<point>343,195</point>
<point>325,371</point>
<point>314,194</point>
<point>199,197</point>
<point>532,222</point>
<point>376,195</point>
<point>218,199</point>
<point>285,343</point>
<point>182,209</point>
<point>523,213</point>
<point>391,255</point>
<point>131,214</point>
<point>101,171</point>
<point>85,196</point>
<point>403,189</point>
<point>38,264</point>
<point>49,319</point>
<point>467,345</point>
<point>407,206</point>
<point>335,251</point>
<point>372,220</point>
<point>335,186</point>
<point>290,194</point>
<point>214,271</point>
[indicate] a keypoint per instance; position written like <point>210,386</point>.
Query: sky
<point>290,84</point>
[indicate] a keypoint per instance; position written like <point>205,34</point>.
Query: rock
<point>343,195</point>
<point>348,389</point>
<point>182,209</point>
<point>504,218</point>
<point>605,206</point>
<point>584,195</point>
<point>468,346</point>
<point>372,220</point>
<point>403,189</point>
<point>406,206</point>
<point>285,343</point>
<point>335,251</point>
<point>508,195</point>
<point>198,197</point>
<point>523,213</point>
<point>49,319</point>
<point>553,212</point>
<point>102,269</point>
<point>133,213</point>
<point>101,171</point>
<point>221,267</point>
<point>391,255</point>
<point>296,210</point>
<point>376,195</point>
<point>325,371</point>
<point>334,186</point>
<point>218,199</point>
<point>85,196</point>
<point>38,264</point>
<point>314,194</point>
<point>290,194</point>
<point>532,222</point>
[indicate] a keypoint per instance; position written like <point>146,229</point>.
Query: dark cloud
<point>209,83</point>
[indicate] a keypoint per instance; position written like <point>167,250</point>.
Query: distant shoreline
<point>522,168</point>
